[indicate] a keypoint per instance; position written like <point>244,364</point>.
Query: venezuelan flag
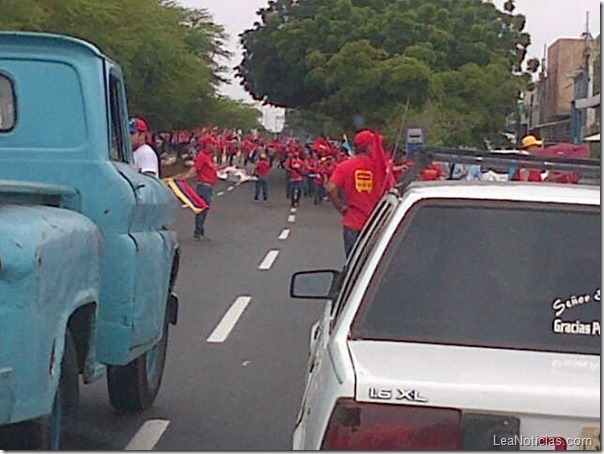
<point>187,195</point>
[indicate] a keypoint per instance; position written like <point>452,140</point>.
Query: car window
<point>117,151</point>
<point>361,252</point>
<point>7,104</point>
<point>491,275</point>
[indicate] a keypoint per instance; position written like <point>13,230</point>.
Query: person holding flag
<point>363,180</point>
<point>207,176</point>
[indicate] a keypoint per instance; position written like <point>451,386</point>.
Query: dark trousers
<point>319,192</point>
<point>288,185</point>
<point>350,237</point>
<point>295,192</point>
<point>204,191</point>
<point>261,185</point>
<point>308,187</point>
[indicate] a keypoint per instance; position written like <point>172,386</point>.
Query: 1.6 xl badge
<point>396,394</point>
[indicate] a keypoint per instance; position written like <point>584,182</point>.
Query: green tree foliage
<point>301,123</point>
<point>169,54</point>
<point>458,62</point>
<point>231,114</point>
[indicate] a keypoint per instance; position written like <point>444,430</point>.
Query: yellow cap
<point>530,141</point>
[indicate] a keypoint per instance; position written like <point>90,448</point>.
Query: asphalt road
<point>243,393</point>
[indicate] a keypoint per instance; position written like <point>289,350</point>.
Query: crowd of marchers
<point>353,175</point>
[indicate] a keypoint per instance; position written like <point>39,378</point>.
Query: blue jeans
<point>261,185</point>
<point>204,191</point>
<point>350,237</point>
<point>295,192</point>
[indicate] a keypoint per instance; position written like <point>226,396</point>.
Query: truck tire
<point>134,387</point>
<point>47,432</point>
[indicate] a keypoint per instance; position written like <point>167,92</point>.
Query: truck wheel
<point>47,432</point>
<point>133,387</point>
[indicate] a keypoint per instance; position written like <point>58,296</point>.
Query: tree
<point>532,65</point>
<point>457,61</point>
<point>231,114</point>
<point>169,55</point>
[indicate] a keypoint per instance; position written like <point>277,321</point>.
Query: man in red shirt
<point>532,145</point>
<point>297,171</point>
<point>312,168</point>
<point>263,168</point>
<point>318,181</point>
<point>362,185</point>
<point>207,176</point>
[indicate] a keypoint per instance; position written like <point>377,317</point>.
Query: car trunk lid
<point>547,395</point>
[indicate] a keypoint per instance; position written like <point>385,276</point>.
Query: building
<point>531,110</point>
<point>564,58</point>
<point>586,111</point>
<point>564,103</point>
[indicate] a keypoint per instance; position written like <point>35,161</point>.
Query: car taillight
<point>374,427</point>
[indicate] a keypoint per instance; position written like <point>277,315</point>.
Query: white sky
<point>547,20</point>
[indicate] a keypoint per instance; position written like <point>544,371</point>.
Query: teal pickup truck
<point>88,259</point>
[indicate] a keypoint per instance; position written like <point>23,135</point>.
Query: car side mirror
<point>319,284</point>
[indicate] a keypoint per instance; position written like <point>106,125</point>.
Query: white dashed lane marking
<point>230,319</point>
<point>220,193</point>
<point>284,234</point>
<point>148,435</point>
<point>291,218</point>
<point>268,261</point>
<point>230,188</point>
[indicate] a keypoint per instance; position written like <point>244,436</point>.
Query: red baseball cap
<point>138,125</point>
<point>364,138</point>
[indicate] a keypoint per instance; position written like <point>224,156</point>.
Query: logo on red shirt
<point>363,181</point>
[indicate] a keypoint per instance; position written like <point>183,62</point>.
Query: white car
<point>467,317</point>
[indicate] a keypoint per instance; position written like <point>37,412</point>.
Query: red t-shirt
<point>534,175</point>
<point>312,165</point>
<point>357,178</point>
<point>206,169</point>
<point>328,169</point>
<point>319,177</point>
<point>430,173</point>
<point>569,178</point>
<point>297,168</point>
<point>263,168</point>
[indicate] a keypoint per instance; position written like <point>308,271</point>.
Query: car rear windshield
<point>491,275</point>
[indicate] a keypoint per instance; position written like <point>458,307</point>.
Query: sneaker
<point>197,237</point>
